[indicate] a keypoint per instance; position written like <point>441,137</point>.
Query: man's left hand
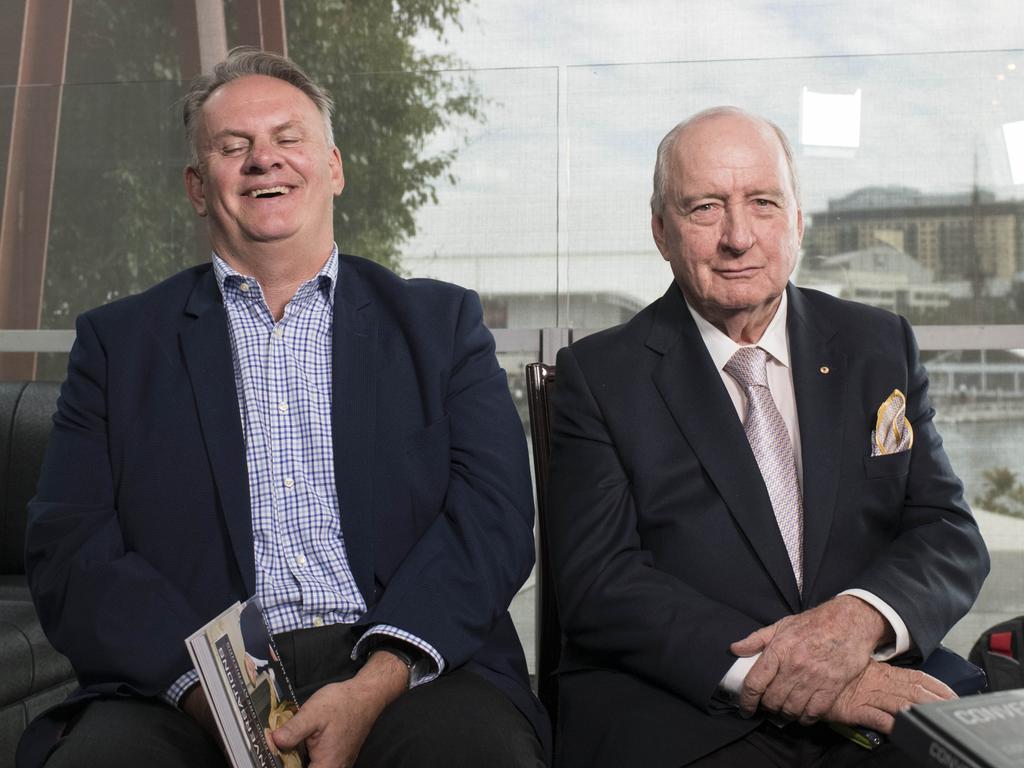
<point>808,659</point>
<point>336,720</point>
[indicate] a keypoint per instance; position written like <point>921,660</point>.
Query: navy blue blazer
<point>663,541</point>
<point>141,531</point>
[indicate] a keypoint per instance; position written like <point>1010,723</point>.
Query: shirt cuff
<point>436,663</point>
<point>902,643</point>
<point>730,685</point>
<point>178,688</point>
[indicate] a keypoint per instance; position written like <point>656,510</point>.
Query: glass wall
<point>513,155</point>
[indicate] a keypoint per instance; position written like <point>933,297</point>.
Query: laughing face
<point>731,227</point>
<point>267,174</point>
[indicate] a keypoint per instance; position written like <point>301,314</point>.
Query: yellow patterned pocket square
<point>892,432</point>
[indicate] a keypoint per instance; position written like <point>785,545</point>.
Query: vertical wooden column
<point>202,35</point>
<point>261,24</point>
<point>202,42</point>
<point>31,161</point>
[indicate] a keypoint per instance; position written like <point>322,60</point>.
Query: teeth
<point>268,191</point>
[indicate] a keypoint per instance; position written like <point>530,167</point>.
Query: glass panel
<point>979,401</point>
<point>495,229</point>
<point>909,202</point>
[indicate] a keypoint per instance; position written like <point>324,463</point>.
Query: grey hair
<point>242,62</point>
<point>667,145</point>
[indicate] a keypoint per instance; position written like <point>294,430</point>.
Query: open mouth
<point>263,194</point>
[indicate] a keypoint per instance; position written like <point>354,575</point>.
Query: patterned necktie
<point>769,440</point>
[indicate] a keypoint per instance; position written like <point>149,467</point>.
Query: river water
<point>975,447</point>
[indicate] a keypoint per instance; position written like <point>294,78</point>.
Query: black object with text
<point>983,731</point>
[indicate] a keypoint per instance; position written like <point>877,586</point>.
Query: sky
<point>579,94</point>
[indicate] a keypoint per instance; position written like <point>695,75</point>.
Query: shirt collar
<point>228,279</point>
<point>774,340</point>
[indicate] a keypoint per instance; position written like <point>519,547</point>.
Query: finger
<point>756,682</point>
<point>290,734</point>
<point>798,705</point>
<point>755,642</point>
<point>875,719</point>
<point>818,705</point>
<point>782,695</point>
<point>917,688</point>
<point>937,687</point>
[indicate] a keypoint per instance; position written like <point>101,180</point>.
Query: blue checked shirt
<point>283,379</point>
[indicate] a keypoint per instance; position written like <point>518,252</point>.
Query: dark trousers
<point>457,720</point>
<point>797,747</point>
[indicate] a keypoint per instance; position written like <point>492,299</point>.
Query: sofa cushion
<point>29,662</point>
<point>26,413</point>
<point>14,587</point>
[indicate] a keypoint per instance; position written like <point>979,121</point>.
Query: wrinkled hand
<point>336,720</point>
<point>808,659</point>
<point>873,698</point>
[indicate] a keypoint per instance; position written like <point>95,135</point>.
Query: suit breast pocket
<point>891,465</point>
<point>426,467</point>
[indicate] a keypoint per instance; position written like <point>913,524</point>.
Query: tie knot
<point>748,366</point>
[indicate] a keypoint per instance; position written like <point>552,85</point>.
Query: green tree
<point>1002,493</point>
<point>390,99</point>
<point>120,221</point>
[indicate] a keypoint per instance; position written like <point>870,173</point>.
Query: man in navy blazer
<point>195,413</point>
<point>697,631</point>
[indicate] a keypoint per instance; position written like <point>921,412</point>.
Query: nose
<point>262,157</point>
<point>737,230</point>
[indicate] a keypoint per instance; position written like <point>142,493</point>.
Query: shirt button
<point>318,621</point>
<point>244,287</point>
<point>282,406</point>
<point>300,560</point>
<point>288,482</point>
<point>279,332</point>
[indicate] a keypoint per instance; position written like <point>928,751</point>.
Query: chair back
<point>540,380</point>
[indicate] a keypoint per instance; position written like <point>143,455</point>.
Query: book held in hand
<point>983,731</point>
<point>246,686</point>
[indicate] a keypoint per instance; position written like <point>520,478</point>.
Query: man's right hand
<point>194,703</point>
<point>873,697</point>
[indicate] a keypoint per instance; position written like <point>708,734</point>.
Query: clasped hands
<point>817,665</point>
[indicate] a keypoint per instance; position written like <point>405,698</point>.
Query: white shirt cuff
<point>902,644</point>
<point>437,662</point>
<point>729,687</point>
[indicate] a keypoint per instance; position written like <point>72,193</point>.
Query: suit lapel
<point>819,397</point>
<point>207,351</point>
<point>693,391</point>
<point>354,376</point>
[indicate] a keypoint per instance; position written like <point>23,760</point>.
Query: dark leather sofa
<point>32,674</point>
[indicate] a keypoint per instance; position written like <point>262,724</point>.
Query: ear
<point>337,171</point>
<point>194,190</point>
<point>799,226</point>
<point>658,230</point>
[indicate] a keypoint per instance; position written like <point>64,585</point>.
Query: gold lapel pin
<point>824,370</point>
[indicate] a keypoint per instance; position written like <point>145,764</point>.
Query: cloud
<point>582,92</point>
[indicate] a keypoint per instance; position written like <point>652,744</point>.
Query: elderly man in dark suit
<point>295,423</point>
<point>751,510</point>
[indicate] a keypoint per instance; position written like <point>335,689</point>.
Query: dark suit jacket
<point>141,530</point>
<point>663,541</point>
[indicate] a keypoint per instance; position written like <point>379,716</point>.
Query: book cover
<point>246,686</point>
<point>983,731</point>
